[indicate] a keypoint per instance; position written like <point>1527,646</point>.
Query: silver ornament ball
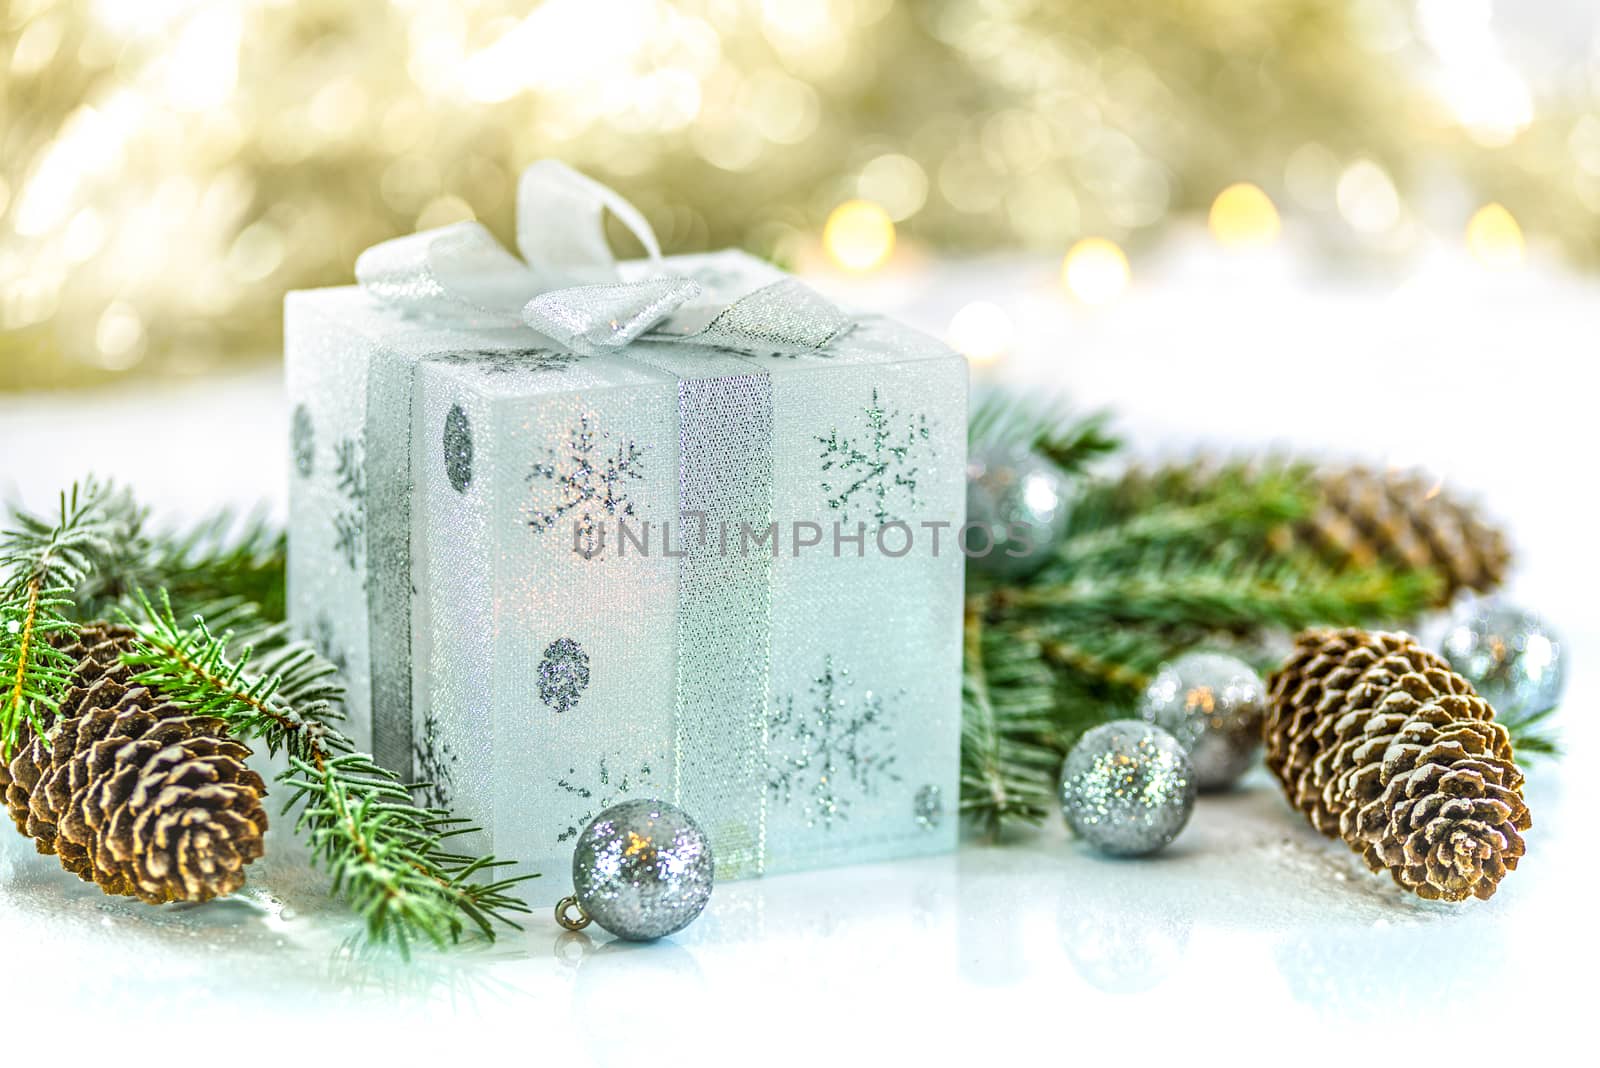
<point>1214,704</point>
<point>1009,489</point>
<point>642,870</point>
<point>1511,657</point>
<point>1127,788</point>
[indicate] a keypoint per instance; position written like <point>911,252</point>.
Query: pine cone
<point>134,794</point>
<point>1376,740</point>
<point>96,651</point>
<point>1404,519</point>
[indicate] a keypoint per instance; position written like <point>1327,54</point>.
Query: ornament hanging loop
<point>570,914</point>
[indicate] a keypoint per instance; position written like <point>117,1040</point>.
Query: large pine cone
<point>1376,740</point>
<point>1404,519</point>
<point>134,794</point>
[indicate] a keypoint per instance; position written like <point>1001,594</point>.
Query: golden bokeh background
<point>171,167</point>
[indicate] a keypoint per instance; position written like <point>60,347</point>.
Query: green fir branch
<point>42,560</point>
<point>1008,759</point>
<point>1099,539</point>
<point>387,856</point>
<point>1048,425</point>
<point>224,555</point>
<point>1153,562</point>
<point>1224,594</point>
<point>1530,733</point>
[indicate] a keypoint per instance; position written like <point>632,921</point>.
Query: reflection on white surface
<point>1250,926</point>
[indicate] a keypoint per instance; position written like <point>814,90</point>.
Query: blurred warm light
<point>1474,78</point>
<point>1243,216</point>
<point>981,331</point>
<point>442,211</point>
<point>896,182</point>
<point>1367,197</point>
<point>859,235</point>
<point>186,161</point>
<point>119,336</point>
<point>1495,238</point>
<point>203,66</point>
<point>1095,271</point>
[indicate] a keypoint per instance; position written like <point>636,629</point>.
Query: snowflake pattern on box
<point>350,521</point>
<point>325,640</point>
<point>832,750</point>
<point>927,807</point>
<point>434,762</point>
<point>591,477</point>
<point>610,789</point>
<point>303,441</point>
<point>563,674</point>
<point>509,361</point>
<point>876,469</point>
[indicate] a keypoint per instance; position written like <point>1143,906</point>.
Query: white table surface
<point>1250,940</point>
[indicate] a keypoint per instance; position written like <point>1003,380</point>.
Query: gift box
<point>578,531</point>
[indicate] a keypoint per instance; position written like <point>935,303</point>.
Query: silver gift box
<point>555,581</point>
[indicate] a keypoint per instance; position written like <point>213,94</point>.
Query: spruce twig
<point>387,855</point>
<point>1047,424</point>
<point>1529,730</point>
<point>41,561</point>
<point>1225,596</point>
<point>1008,763</point>
<point>224,555</point>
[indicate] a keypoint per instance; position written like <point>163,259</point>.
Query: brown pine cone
<point>1325,676</point>
<point>96,651</point>
<point>1446,823</point>
<point>1376,740</point>
<point>1405,519</point>
<point>134,794</point>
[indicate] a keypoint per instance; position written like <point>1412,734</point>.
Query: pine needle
<point>1008,759</point>
<point>387,855</point>
<point>1530,733</point>
<point>1047,424</point>
<point>42,560</point>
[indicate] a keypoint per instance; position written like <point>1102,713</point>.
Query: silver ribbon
<point>569,287</point>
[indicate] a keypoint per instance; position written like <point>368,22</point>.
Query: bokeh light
<point>1095,271</point>
<point>982,332</point>
<point>1367,197</point>
<point>1243,216</point>
<point>859,235</point>
<point>897,183</point>
<point>1495,238</point>
<point>181,164</point>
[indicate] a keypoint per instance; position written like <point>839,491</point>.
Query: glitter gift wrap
<point>560,577</point>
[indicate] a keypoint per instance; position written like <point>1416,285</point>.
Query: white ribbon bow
<point>567,285</point>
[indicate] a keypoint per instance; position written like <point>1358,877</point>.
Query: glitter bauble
<point>1510,656</point>
<point>1214,704</point>
<point>642,870</point>
<point>1021,500</point>
<point>1127,788</point>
